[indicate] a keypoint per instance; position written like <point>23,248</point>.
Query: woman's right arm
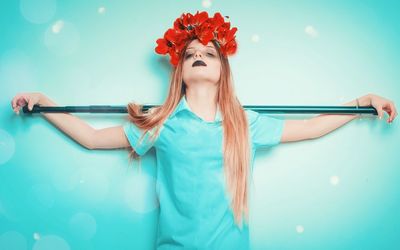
<point>76,128</point>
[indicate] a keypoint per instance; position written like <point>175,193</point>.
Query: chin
<point>201,77</point>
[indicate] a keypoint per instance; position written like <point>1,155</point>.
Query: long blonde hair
<point>236,144</point>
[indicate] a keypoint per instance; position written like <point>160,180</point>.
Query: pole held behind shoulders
<point>258,108</point>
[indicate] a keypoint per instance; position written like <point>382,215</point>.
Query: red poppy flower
<point>199,18</point>
<point>176,37</point>
<point>218,19</point>
<point>162,46</point>
<point>225,35</point>
<point>200,26</point>
<point>188,22</point>
<point>174,57</point>
<point>229,48</point>
<point>205,32</point>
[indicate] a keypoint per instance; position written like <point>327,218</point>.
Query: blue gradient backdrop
<point>340,191</point>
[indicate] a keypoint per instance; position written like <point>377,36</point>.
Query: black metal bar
<point>257,108</point>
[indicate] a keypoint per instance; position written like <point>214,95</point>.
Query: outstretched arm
<point>71,125</point>
<point>297,130</point>
<point>326,123</point>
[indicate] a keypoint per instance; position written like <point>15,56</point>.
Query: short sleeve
<point>133,133</point>
<point>266,131</point>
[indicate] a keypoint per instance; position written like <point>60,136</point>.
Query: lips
<point>199,63</point>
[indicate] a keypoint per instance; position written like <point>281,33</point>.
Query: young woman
<point>204,140</point>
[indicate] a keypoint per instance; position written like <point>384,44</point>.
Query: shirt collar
<point>183,105</point>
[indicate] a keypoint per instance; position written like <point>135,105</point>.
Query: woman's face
<point>209,67</point>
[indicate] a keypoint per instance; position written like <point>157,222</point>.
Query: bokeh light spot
<point>83,225</point>
<point>255,38</point>
<point>206,3</point>
<point>62,38</point>
<point>12,240</point>
<point>335,180</point>
<point>101,10</point>
<point>299,229</point>
<point>38,11</point>
<point>140,193</point>
<point>311,31</point>
<point>7,146</point>
<point>51,242</point>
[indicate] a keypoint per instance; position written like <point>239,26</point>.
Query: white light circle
<point>36,236</point>
<point>12,240</point>
<point>93,184</point>
<point>57,26</point>
<point>206,3</point>
<point>62,38</point>
<point>299,229</point>
<point>64,179</point>
<point>334,180</point>
<point>83,225</point>
<point>7,146</point>
<point>38,11</point>
<point>140,193</point>
<point>8,211</point>
<point>43,196</point>
<point>101,10</point>
<point>17,71</point>
<point>311,31</point>
<point>51,242</point>
<point>255,38</point>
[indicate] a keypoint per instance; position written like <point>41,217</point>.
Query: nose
<point>197,54</point>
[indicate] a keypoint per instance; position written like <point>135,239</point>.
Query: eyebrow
<point>207,46</point>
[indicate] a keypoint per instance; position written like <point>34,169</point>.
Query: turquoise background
<point>340,191</point>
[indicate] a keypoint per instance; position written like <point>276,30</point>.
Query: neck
<point>202,100</point>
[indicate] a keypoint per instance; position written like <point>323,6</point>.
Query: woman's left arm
<point>326,123</point>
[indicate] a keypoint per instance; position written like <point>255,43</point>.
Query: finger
<point>380,113</point>
<point>32,101</point>
<point>392,111</point>
<point>30,104</point>
<point>14,101</point>
<point>388,109</point>
<point>22,101</point>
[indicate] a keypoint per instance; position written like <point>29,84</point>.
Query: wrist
<point>45,101</point>
<point>365,100</point>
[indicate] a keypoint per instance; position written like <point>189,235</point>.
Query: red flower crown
<point>200,26</point>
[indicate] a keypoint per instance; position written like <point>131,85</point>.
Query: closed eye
<point>190,54</point>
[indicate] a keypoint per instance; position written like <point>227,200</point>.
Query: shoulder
<point>251,115</point>
<point>264,123</point>
<point>266,130</point>
<point>255,117</point>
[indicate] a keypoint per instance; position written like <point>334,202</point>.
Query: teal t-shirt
<point>194,208</point>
